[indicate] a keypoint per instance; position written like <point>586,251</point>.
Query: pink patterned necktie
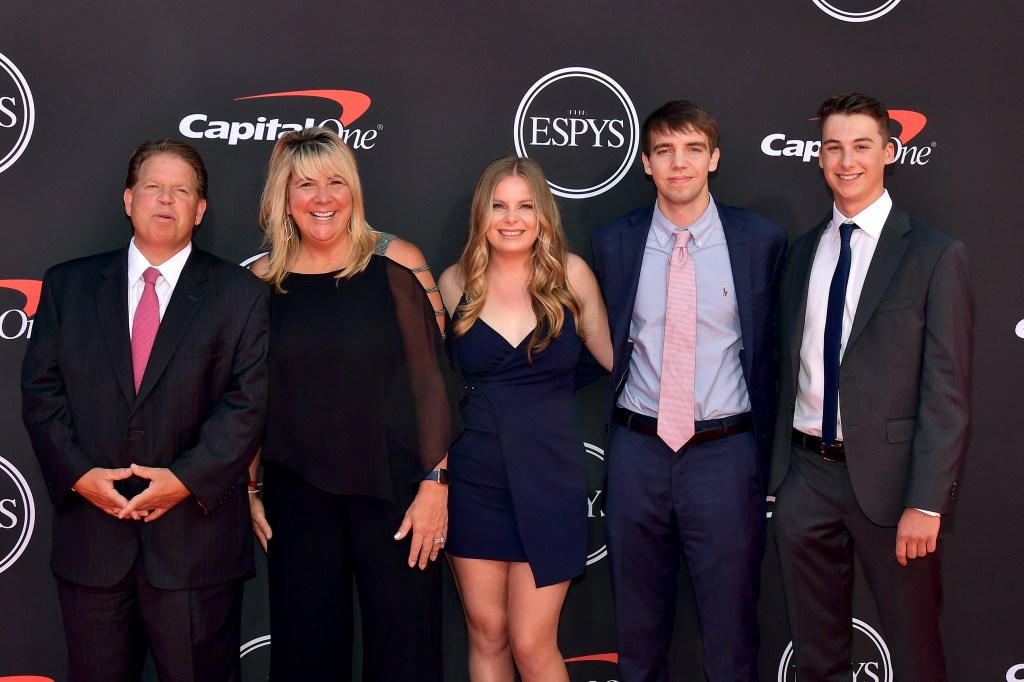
<point>675,405</point>
<point>145,325</point>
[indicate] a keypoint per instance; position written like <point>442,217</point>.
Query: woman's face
<point>321,207</point>
<point>513,226</point>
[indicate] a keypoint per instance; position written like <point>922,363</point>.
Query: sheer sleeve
<point>431,378</point>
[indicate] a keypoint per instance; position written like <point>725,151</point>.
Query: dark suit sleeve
<point>45,408</point>
<point>228,437</point>
<point>941,429</point>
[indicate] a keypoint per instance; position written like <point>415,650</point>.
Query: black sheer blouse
<point>363,398</point>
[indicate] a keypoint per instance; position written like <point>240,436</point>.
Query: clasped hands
<point>164,491</point>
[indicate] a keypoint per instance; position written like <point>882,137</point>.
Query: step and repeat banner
<point>426,94</point>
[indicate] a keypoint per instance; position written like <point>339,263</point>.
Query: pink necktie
<point>145,325</point>
<point>675,405</point>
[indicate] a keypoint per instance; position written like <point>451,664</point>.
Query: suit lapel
<point>737,240</point>
<point>892,243</point>
<point>111,298</point>
<point>188,296</point>
<point>632,241</point>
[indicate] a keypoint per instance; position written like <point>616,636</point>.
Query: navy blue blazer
<point>757,252</point>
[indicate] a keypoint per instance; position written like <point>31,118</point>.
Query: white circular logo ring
<point>856,17</point>
<point>28,522</point>
<point>883,653</point>
<point>623,98</point>
<point>28,119</point>
<point>602,551</point>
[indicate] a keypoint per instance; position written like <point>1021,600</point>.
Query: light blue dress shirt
<point>719,387</point>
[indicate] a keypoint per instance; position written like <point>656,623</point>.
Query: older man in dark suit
<point>875,333</point>
<point>144,387</point>
<point>690,286</point>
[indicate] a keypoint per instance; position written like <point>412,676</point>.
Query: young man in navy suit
<point>866,456</point>
<point>704,500</point>
<point>144,389</point>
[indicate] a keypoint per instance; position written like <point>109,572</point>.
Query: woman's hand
<point>427,517</point>
<point>259,520</point>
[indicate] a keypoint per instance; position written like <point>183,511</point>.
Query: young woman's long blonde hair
<point>309,153</point>
<point>548,285</point>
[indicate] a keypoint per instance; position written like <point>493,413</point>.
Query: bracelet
<point>254,487</point>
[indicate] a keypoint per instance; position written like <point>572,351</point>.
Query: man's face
<point>853,157</point>
<point>164,206</point>
<point>679,164</point>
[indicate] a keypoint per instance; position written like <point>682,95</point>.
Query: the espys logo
<point>595,474</point>
<point>16,323</point>
<point>1020,329</point>
<point>17,514</point>
<point>267,128</point>
<point>581,127</point>
<point>856,11</point>
<point>17,113</point>
<point>1015,673</point>
<point>872,662</point>
<point>911,124</point>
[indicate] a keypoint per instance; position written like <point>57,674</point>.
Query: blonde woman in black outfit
<point>360,415</point>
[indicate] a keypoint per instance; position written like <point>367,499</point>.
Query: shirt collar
<point>702,231</point>
<point>170,269</point>
<point>870,220</point>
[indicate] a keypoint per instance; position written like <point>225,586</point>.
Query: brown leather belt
<point>835,453</point>
<point>703,431</point>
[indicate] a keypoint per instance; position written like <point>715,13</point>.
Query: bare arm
<point>407,254</point>
<point>594,320</point>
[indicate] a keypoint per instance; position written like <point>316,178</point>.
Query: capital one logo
<point>268,127</point>
<point>16,323</point>
<point>581,127</point>
<point>872,662</point>
<point>856,12</point>
<point>593,667</point>
<point>17,514</point>
<point>595,510</point>
<point>911,124</point>
<point>17,113</point>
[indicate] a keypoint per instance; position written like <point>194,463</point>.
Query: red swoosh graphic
<point>911,121</point>
<point>604,658</point>
<point>26,678</point>
<point>30,289</point>
<point>353,104</point>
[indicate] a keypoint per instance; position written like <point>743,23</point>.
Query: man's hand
<point>97,487</point>
<point>260,525</point>
<point>916,535</point>
<point>164,491</point>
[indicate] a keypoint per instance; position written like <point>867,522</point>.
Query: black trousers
<point>194,634</point>
<point>819,527</point>
<point>320,543</point>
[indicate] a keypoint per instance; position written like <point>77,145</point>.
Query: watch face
<point>442,476</point>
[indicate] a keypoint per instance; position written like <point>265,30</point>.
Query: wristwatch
<point>439,475</point>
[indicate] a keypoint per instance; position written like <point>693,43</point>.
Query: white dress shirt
<point>811,386</point>
<point>170,271</point>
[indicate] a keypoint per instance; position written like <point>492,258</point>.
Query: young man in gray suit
<point>875,334</point>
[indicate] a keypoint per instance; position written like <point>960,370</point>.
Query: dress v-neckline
<point>503,337</point>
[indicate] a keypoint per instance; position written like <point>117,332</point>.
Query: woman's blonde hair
<point>548,285</point>
<point>309,153</point>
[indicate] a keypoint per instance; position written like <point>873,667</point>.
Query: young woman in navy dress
<point>522,305</point>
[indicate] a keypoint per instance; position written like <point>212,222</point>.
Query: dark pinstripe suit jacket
<point>198,412</point>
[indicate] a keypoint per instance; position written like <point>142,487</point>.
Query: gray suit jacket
<point>905,378</point>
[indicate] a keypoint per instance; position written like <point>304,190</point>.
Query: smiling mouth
<point>325,215</point>
<point>510,233</point>
<point>848,178</point>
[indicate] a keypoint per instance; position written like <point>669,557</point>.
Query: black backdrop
<point>448,87</point>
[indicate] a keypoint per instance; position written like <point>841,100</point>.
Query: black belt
<point>835,453</point>
<point>703,431</point>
